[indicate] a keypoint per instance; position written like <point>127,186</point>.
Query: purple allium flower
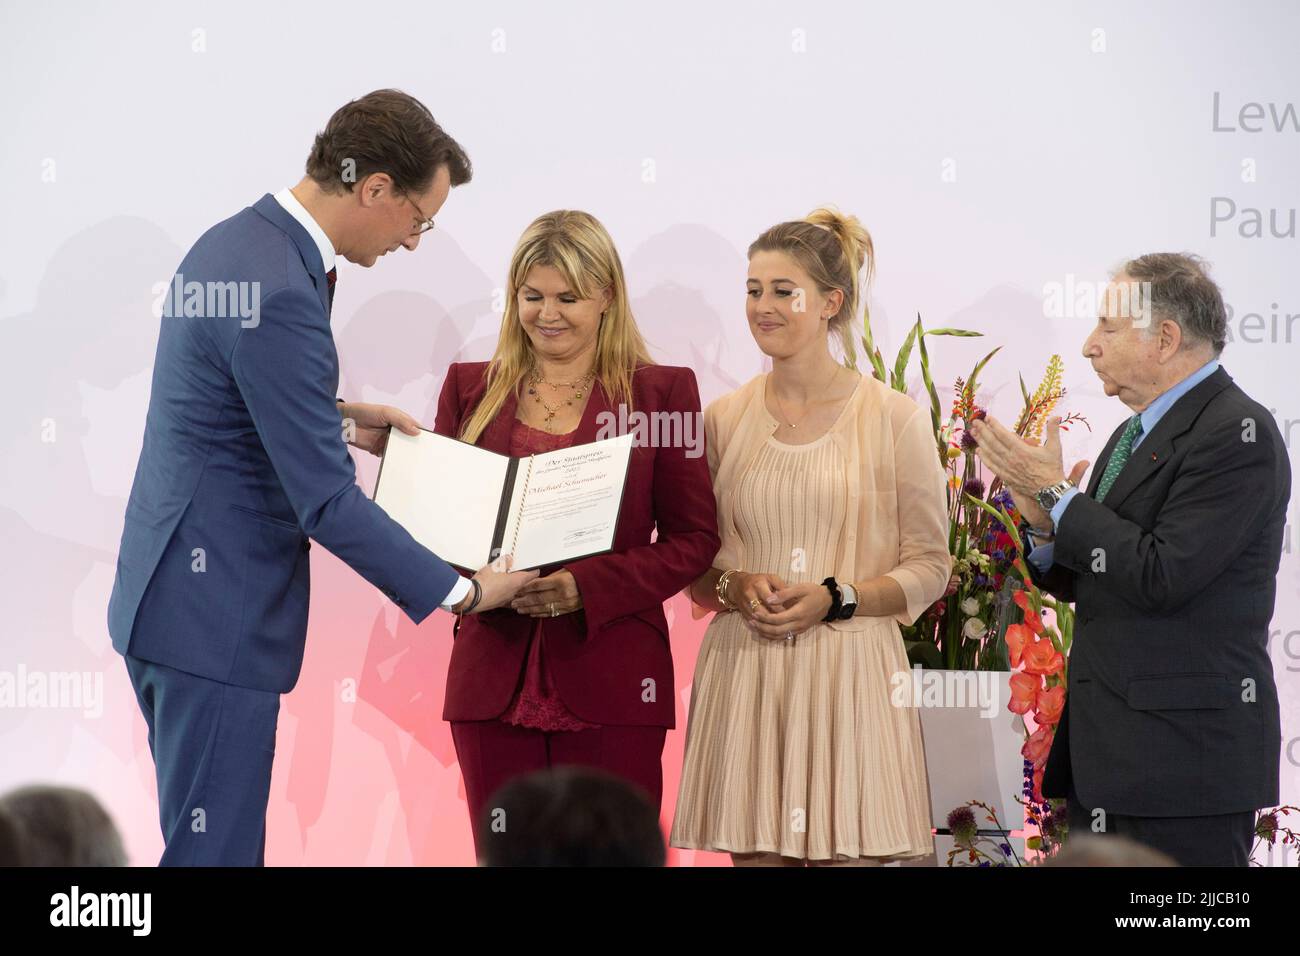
<point>974,488</point>
<point>962,824</point>
<point>968,441</point>
<point>1266,827</point>
<point>1050,827</point>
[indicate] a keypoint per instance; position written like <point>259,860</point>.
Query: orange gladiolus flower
<point>1024,692</point>
<point>1018,636</point>
<point>1039,745</point>
<point>1042,658</point>
<point>1049,704</point>
<point>1032,617</point>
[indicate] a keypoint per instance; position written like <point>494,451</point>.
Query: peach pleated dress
<point>794,747</point>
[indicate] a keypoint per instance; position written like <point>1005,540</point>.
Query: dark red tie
<point>331,277</point>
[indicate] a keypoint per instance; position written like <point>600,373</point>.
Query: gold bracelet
<point>720,587</point>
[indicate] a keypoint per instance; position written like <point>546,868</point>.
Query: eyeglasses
<point>426,222</point>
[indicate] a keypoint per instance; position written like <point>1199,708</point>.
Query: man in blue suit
<point>244,460</point>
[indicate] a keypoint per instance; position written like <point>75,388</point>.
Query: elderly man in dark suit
<point>1171,734</point>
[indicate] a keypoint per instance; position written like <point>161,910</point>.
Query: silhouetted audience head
<point>60,826</point>
<point>11,840</point>
<point>1103,850</point>
<point>570,816</point>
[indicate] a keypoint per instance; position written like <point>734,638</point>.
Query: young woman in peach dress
<point>833,522</point>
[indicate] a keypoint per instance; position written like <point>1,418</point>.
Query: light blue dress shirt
<point>1042,554</point>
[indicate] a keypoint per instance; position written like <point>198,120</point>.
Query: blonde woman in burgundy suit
<point>834,531</point>
<point>577,670</point>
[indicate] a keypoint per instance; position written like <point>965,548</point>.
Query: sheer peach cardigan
<point>897,515</point>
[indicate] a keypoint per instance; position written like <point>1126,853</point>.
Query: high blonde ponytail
<point>834,249</point>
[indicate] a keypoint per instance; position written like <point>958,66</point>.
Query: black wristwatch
<point>843,605</point>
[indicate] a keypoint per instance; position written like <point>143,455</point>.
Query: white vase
<point>972,748</point>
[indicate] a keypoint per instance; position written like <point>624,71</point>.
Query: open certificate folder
<point>469,505</point>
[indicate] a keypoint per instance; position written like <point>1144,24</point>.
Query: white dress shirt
<point>296,209</point>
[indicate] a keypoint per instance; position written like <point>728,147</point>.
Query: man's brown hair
<point>386,131</point>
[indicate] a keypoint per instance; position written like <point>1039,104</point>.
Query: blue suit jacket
<point>243,461</point>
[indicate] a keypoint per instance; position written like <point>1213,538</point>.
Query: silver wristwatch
<point>1049,496</point>
<point>848,601</point>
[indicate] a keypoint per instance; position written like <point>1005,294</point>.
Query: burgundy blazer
<point>601,657</point>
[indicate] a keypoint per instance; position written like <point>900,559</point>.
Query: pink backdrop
<point>992,153</point>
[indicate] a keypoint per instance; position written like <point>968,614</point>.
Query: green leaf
<point>869,345</point>
<point>970,382</point>
<point>936,410</point>
<point>877,363</point>
<point>899,379</point>
<point>924,653</point>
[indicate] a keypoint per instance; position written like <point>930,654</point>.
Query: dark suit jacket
<point>244,458</point>
<point>1171,709</point>
<point>601,656</point>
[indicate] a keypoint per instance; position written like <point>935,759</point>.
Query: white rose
<point>970,606</point>
<point>975,629</point>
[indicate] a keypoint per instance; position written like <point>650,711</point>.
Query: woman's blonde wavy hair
<point>581,249</point>
<point>832,248</point>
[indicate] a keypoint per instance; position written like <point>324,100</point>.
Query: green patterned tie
<point>1119,457</point>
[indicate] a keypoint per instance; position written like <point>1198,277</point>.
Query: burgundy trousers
<point>492,752</point>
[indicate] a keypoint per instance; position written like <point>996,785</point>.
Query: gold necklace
<point>807,411</point>
<point>551,411</point>
<point>537,377</point>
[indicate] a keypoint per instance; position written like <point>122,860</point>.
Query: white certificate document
<point>469,505</point>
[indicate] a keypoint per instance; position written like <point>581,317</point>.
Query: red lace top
<point>536,704</point>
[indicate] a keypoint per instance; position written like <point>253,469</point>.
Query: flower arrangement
<point>992,615</point>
